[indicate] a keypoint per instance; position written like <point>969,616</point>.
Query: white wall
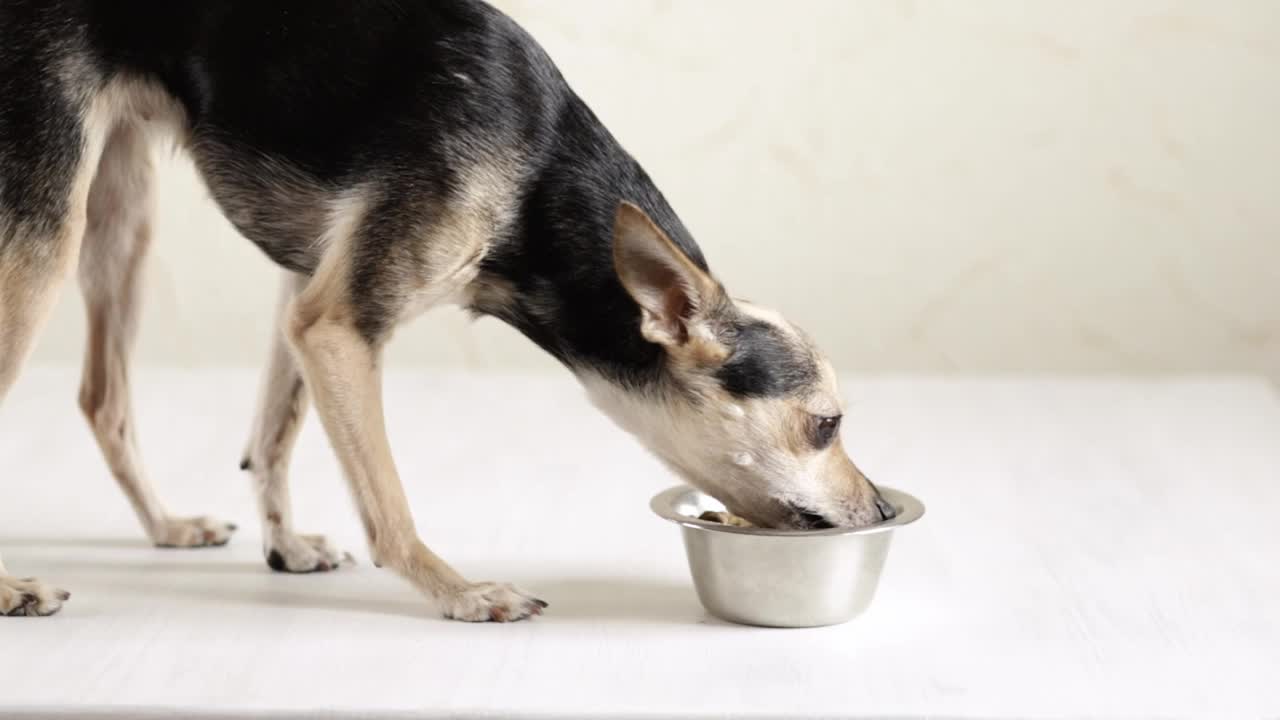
<point>926,186</point>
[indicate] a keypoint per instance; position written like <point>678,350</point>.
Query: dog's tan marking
<point>29,278</point>
<point>32,268</point>
<point>460,233</point>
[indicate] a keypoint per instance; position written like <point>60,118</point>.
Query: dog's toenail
<point>542,603</point>
<point>64,595</point>
<point>232,527</point>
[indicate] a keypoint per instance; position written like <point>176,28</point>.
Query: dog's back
<point>284,104</point>
<point>296,111</point>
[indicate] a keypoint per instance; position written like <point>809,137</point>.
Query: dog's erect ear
<point>674,294</point>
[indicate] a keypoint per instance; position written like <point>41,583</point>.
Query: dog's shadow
<point>131,543</point>
<point>619,598</point>
<point>208,575</point>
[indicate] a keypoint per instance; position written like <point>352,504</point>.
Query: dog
<point>390,156</point>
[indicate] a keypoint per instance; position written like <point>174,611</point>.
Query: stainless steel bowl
<point>782,578</point>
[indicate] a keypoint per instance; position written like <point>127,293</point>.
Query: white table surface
<point>1091,548</point>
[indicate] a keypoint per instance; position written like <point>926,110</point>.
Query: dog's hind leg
<point>282,406</point>
<point>46,157</point>
<point>116,241</point>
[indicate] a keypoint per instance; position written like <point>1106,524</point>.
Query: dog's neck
<point>553,276</point>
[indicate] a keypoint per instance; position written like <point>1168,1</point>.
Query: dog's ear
<point>676,297</point>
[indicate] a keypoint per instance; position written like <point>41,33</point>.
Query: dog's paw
<point>29,597</point>
<point>192,532</point>
<point>491,602</point>
<point>292,553</point>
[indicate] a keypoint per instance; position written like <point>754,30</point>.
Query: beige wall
<point>926,186</point>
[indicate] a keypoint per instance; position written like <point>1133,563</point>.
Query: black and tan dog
<point>390,156</point>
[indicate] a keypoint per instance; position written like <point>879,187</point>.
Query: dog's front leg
<point>343,370</point>
<point>281,408</point>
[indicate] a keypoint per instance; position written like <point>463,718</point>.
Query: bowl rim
<point>909,507</point>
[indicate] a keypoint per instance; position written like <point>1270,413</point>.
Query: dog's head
<point>747,409</point>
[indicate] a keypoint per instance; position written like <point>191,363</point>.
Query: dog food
<point>724,518</point>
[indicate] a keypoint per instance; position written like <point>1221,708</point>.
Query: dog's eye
<point>825,430</point>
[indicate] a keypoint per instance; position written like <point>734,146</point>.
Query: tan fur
<point>282,405</point>
<point>28,596</point>
<point>28,283</point>
<point>117,238</point>
<point>460,234</point>
<point>30,278</point>
<point>754,455</point>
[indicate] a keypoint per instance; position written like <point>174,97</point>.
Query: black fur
<point>765,363</point>
<point>290,101</point>
<point>569,300</point>
<point>40,136</point>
